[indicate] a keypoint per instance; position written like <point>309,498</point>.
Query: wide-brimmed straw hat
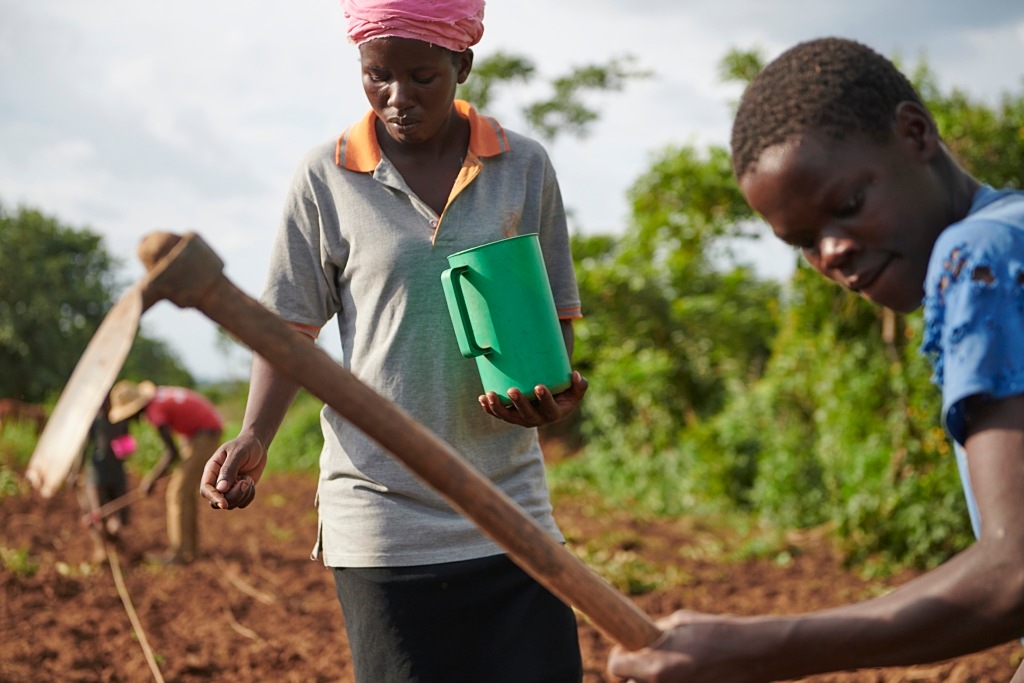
<point>127,398</point>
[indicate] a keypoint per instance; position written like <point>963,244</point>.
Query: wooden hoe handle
<point>190,275</point>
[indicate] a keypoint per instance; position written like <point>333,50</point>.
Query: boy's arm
<point>230,476</point>
<point>973,601</point>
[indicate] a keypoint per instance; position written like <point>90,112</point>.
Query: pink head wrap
<point>453,24</point>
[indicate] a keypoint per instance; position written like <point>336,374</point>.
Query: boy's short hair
<point>832,86</point>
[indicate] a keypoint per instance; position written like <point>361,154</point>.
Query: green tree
<point>843,429</point>
<point>56,285</point>
<point>672,321</point>
<point>565,110</point>
<point>495,72</point>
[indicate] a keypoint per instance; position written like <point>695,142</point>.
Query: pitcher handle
<point>450,280</point>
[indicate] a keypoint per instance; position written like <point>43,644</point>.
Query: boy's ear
<point>915,126</point>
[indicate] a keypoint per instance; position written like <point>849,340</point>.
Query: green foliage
<point>741,65</point>
<point>663,483</point>
<point>685,205</point>
<point>988,141</point>
<point>18,562</point>
<point>667,329</point>
<point>298,443</point>
<point>149,448</point>
<point>499,69</point>
<point>565,109</point>
<point>229,396</point>
<point>55,287</point>
<point>17,441</point>
<point>626,568</point>
<point>10,483</point>
<point>843,429</point>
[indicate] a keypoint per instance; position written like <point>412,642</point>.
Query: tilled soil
<point>254,607</point>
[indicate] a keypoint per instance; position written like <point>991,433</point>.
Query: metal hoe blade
<point>66,430</point>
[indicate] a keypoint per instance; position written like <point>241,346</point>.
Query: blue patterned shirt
<point>974,312</point>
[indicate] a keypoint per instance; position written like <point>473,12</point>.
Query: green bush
<point>841,429</point>
<point>17,442</point>
<point>844,429</point>
<point>299,441</point>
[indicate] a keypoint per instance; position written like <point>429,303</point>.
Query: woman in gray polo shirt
<point>369,222</point>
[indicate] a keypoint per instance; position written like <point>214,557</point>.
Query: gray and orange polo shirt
<point>355,242</point>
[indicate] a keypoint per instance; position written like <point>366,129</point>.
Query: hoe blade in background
<point>66,430</point>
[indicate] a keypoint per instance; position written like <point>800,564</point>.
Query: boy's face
<point>411,85</point>
<point>864,214</point>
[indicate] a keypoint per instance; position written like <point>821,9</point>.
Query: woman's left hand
<point>546,409</point>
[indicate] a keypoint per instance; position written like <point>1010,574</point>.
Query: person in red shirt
<point>174,411</point>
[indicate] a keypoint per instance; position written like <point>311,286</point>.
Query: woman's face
<point>411,85</point>
<point>864,214</point>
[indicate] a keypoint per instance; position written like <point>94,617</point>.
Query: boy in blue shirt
<point>834,148</point>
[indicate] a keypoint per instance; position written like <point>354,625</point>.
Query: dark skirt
<point>477,621</point>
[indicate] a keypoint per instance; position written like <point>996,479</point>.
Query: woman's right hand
<point>230,476</point>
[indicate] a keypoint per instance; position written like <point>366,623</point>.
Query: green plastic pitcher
<point>499,298</point>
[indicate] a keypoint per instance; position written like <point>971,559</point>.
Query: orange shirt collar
<point>357,148</point>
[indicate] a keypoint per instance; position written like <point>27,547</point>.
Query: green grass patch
<point>17,441</point>
<point>627,570</point>
<point>18,561</point>
<point>298,443</point>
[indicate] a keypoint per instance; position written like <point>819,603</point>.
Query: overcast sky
<point>129,117</point>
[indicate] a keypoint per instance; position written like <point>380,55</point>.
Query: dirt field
<point>255,608</point>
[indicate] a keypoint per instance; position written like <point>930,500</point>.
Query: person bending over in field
<point>834,148</point>
<point>189,416</point>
